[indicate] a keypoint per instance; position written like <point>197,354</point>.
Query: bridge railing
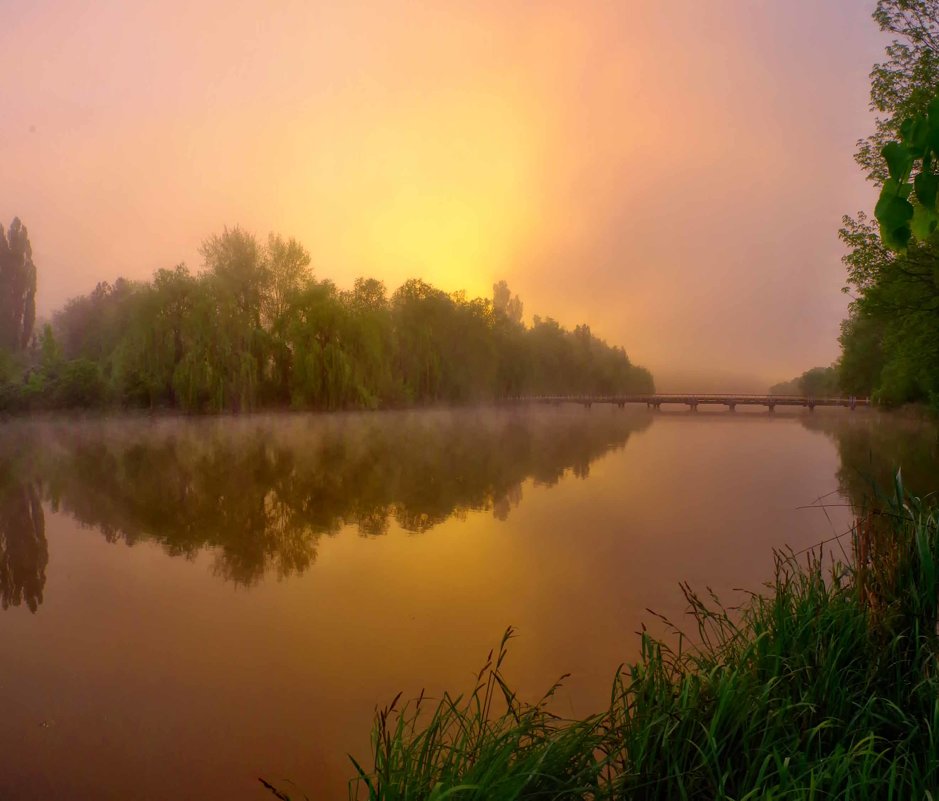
<point>701,398</point>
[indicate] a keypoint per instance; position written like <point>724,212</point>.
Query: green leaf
<point>892,211</point>
<point>927,187</point>
<point>932,112</point>
<point>924,222</point>
<point>892,187</point>
<point>916,135</point>
<point>899,160</point>
<point>896,239</point>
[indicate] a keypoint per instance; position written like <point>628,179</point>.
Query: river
<point>191,604</point>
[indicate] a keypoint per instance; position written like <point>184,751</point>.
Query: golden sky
<point>672,173</point>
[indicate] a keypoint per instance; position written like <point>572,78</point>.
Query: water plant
<point>822,686</point>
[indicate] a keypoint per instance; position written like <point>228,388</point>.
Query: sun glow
<point>442,191</point>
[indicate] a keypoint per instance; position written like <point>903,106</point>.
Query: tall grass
<point>825,686</point>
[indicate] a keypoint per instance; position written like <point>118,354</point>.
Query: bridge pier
<point>772,407</point>
<point>811,406</point>
<point>732,407</point>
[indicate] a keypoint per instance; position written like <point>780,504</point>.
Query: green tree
<point>505,303</point>
<point>17,287</point>
<point>254,329</point>
<point>890,342</point>
<point>904,83</point>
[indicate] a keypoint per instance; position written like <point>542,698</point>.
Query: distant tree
<point>369,293</point>
<point>819,382</point>
<point>236,262</point>
<point>287,262</point>
<point>17,287</point>
<point>504,302</point>
<point>255,329</point>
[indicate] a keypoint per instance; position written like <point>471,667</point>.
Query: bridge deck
<point>693,400</point>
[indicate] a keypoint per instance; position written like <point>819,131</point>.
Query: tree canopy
<point>17,287</point>
<point>254,328</point>
<point>890,340</point>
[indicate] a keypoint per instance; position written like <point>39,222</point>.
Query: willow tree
<point>17,287</point>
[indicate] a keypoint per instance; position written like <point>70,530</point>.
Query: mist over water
<point>191,603</point>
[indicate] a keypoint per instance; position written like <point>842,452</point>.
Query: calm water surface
<point>190,605</point>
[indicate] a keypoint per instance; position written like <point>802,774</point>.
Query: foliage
<point>819,382</point>
<point>462,747</point>
<point>900,219</point>
<point>890,341</point>
<point>17,288</point>
<point>904,83</point>
<point>255,329</point>
<point>53,382</point>
<point>824,687</point>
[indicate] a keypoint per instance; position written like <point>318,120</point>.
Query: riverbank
<point>823,686</point>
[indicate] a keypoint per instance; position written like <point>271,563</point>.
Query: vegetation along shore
<point>823,686</point>
<point>255,329</point>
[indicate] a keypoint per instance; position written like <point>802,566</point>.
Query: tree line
<point>890,339</point>
<point>819,382</point>
<point>254,328</point>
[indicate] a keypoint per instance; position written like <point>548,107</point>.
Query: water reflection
<point>261,492</point>
<point>872,447</point>
<point>23,550</point>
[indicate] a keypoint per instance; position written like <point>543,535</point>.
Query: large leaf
<point>932,113</point>
<point>915,133</point>
<point>927,187</point>
<point>892,210</point>
<point>899,160</point>
<point>892,187</point>
<point>896,239</point>
<point>924,222</point>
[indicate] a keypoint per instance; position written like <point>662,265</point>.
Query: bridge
<point>693,400</point>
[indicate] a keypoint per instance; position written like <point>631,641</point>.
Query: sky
<point>673,174</point>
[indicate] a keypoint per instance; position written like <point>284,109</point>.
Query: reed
<point>823,686</point>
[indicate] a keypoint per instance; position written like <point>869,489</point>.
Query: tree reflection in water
<point>23,550</point>
<point>261,491</point>
<point>873,446</point>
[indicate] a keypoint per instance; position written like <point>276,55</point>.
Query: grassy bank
<point>824,686</point>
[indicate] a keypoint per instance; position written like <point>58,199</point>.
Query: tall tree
<point>504,302</point>
<point>903,84</point>
<point>890,342</point>
<point>17,287</point>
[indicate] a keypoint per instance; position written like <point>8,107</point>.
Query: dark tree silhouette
<point>17,287</point>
